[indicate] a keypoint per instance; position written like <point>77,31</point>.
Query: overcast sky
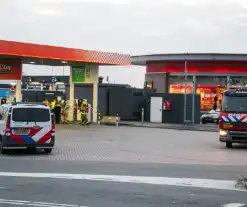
<point>128,26</point>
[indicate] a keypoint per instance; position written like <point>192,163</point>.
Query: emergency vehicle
<point>233,117</point>
<point>26,125</point>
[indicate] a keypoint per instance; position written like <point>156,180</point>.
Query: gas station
<point>84,65</point>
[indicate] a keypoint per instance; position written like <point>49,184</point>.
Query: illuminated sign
<point>5,68</point>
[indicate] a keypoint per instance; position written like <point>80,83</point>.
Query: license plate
<point>21,131</point>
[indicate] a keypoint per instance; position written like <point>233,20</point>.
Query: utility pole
<point>185,89</point>
<point>193,99</point>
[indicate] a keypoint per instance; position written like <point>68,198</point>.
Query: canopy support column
<point>71,96</point>
<point>95,93</point>
<point>18,95</point>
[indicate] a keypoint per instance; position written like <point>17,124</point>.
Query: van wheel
<point>48,151</point>
<point>229,144</point>
<point>2,150</point>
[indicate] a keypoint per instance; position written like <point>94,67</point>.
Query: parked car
<point>210,117</point>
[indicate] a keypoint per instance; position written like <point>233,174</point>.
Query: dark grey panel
<point>126,102</point>
<point>160,81</point>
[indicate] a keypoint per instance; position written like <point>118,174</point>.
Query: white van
<point>26,125</point>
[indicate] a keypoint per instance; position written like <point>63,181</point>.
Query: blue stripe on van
<point>27,139</point>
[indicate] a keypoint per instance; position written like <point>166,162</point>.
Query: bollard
<point>117,120</point>
<point>142,116</point>
<point>99,118</point>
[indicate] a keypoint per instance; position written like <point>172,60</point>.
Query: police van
<point>26,125</point>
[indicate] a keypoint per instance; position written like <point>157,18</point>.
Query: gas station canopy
<point>58,56</point>
<point>84,65</point>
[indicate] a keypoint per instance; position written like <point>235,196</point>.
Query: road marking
<point>68,205</point>
<point>187,182</point>
<point>233,205</point>
<point>38,204</point>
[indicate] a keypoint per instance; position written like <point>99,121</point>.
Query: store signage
<point>34,87</point>
<point>84,73</point>
<point>12,90</point>
<point>79,74</point>
<point>53,79</point>
<point>5,68</point>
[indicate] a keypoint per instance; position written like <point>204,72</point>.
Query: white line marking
<point>187,182</point>
<point>233,205</point>
<point>19,201</point>
<point>38,204</point>
<point>13,203</point>
<point>68,205</point>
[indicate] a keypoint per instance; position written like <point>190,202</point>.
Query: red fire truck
<point>233,117</point>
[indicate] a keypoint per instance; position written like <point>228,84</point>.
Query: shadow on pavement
<point>26,152</point>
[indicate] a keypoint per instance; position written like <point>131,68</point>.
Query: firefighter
<point>57,112</point>
<point>64,112</point>
<point>84,112</point>
<point>53,103</point>
<point>75,109</point>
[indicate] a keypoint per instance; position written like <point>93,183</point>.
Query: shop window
<point>206,92</point>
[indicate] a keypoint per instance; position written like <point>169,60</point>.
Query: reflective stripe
<point>231,118</point>
<point>225,119</point>
<point>236,118</point>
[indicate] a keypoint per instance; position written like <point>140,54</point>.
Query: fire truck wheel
<point>229,144</point>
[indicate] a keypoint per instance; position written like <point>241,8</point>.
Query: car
<point>210,117</point>
<point>26,125</point>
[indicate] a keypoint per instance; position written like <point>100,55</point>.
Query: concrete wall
<point>160,81</point>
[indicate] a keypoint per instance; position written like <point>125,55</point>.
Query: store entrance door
<point>156,109</point>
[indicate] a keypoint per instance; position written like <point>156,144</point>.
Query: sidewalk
<point>197,127</point>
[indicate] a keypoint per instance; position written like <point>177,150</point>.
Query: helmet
<point>84,101</point>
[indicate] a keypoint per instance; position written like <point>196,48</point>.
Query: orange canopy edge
<point>54,55</point>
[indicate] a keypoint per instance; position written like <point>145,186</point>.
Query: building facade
<point>211,74</point>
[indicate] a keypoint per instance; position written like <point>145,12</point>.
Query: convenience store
<point>211,74</point>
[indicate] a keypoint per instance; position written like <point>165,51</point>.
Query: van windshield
<point>31,115</point>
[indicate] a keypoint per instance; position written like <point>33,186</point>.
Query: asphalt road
<point>18,190</point>
<point>108,194</point>
<point>109,166</point>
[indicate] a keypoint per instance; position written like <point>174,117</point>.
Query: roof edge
<point>143,59</point>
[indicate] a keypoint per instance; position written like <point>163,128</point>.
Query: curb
<point>174,128</point>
